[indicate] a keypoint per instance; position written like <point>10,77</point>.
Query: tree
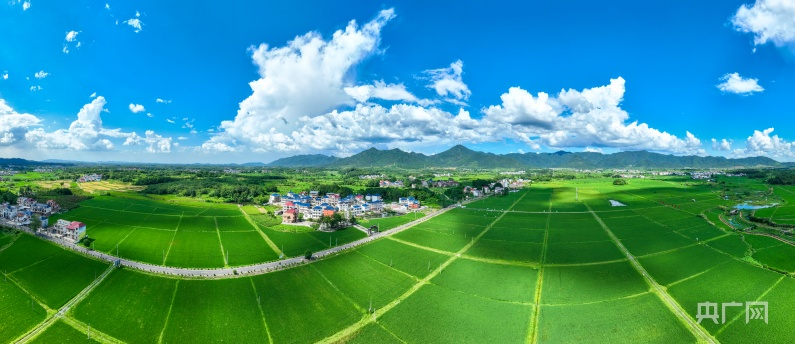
<point>619,181</point>
<point>308,255</point>
<point>35,223</point>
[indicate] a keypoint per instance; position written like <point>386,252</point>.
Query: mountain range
<point>462,157</point>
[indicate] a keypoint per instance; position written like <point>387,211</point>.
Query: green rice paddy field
<point>194,235</point>
<point>549,264</point>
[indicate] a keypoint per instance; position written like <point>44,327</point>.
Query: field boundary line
<point>500,261</point>
<point>344,295</point>
<point>100,336</point>
<point>415,278</point>
<point>737,317</point>
<point>390,332</point>
<point>27,337</point>
<point>264,236</point>
<point>532,334</point>
<point>698,331</point>
<point>426,248</point>
<point>168,316</point>
<point>596,302</point>
<point>696,274</point>
<point>453,290</point>
<point>352,329</point>
<point>9,243</point>
<point>223,253</point>
<point>261,311</point>
<point>171,243</point>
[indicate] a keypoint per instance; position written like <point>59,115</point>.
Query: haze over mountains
<point>460,156</point>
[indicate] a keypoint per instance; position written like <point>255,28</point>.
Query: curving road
<point>256,269</point>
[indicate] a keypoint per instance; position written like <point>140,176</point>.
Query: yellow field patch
<point>108,186</point>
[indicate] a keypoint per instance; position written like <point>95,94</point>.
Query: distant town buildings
<point>87,178</point>
<point>21,213</point>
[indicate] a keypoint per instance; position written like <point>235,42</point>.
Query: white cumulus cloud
<point>13,125</point>
<point>380,90</point>
<point>41,74</point>
<point>307,77</point>
<point>448,82</point>
<point>25,5</point>
<point>162,101</point>
<point>135,23</point>
<point>722,145</point>
<point>734,83</point>
<point>136,108</point>
<point>768,20</point>
<point>761,143</point>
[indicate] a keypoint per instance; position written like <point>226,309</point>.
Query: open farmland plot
<point>107,235</point>
<point>374,333</point>
<point>494,281</point>
<point>195,250</point>
<point>590,283</point>
<point>162,222</point>
<point>144,300</point>
<point>25,251</point>
<point>145,245</point>
<point>457,317</point>
<point>387,223</point>
<point>523,220</point>
<point>721,285</point>
<point>732,244</point>
<point>60,332</point>
<point>215,311</point>
<point>233,224</point>
<point>246,248</point>
<point>515,234</point>
<point>655,243</point>
<point>496,202</point>
<point>221,210</point>
<point>780,320</point>
<point>409,259</point>
<point>16,314</point>
<point>577,253</point>
<point>523,252</point>
<point>440,241</point>
<point>363,279</point>
<point>613,321</point>
<point>197,224</point>
<point>339,237</point>
<point>294,244</point>
<point>669,267</point>
<point>702,233</point>
<point>288,296</point>
<point>58,278</point>
<point>778,257</point>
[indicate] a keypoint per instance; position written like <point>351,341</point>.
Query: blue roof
<point>317,207</point>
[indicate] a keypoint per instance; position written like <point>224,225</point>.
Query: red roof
<point>289,211</point>
<point>289,203</point>
<point>75,225</point>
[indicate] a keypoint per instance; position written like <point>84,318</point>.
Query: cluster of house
<point>20,214</point>
<point>8,172</point>
<point>430,183</point>
<point>90,178</point>
<point>371,176</point>
<point>710,174</point>
<point>312,206</point>
<point>391,184</point>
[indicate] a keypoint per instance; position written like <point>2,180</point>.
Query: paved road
<point>255,269</point>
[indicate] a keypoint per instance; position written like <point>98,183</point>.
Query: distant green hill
<point>21,162</point>
<point>307,160</point>
<point>462,157</point>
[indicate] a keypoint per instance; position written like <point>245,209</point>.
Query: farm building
<point>70,230</point>
<point>290,216</point>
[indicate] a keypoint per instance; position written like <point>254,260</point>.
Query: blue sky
<point>254,81</point>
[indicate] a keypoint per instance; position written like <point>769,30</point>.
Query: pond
<point>746,206</point>
<point>617,203</point>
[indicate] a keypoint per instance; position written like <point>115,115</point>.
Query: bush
<point>619,181</point>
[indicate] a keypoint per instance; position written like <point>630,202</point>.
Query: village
<point>28,211</point>
<point>298,207</point>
